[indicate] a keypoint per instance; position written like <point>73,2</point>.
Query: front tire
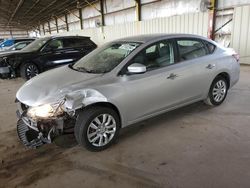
<point>97,128</point>
<point>218,91</point>
<point>28,71</point>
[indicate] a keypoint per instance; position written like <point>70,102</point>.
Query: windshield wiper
<point>82,69</point>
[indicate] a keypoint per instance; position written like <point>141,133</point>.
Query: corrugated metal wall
<point>195,23</point>
<point>241,33</point>
<point>13,32</point>
<point>157,17</point>
<point>231,3</point>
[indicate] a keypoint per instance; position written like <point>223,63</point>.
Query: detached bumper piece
<point>29,137</point>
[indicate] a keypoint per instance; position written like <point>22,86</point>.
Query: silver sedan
<point>121,83</point>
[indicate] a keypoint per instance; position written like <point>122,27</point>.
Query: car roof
<point>23,42</point>
<point>68,36</point>
<point>21,38</point>
<point>150,37</point>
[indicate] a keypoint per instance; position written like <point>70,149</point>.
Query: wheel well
<point>226,76</point>
<point>108,105</point>
<point>21,64</point>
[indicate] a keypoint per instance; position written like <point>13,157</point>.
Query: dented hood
<point>52,85</point>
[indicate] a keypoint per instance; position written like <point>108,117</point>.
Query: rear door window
<point>77,42</point>
<point>211,47</point>
<point>191,49</point>
<point>70,43</point>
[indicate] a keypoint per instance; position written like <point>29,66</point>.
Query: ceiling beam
<point>4,10</point>
<point>15,11</point>
<point>63,11</point>
<point>49,12</point>
<point>53,13</point>
<point>44,9</point>
<point>93,6</point>
<point>37,1</point>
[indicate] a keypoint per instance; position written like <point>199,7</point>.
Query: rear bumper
<point>235,75</point>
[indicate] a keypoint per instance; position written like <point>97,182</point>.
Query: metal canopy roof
<point>26,14</point>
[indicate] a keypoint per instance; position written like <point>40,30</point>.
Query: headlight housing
<point>45,111</point>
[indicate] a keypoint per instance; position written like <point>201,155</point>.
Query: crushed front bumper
<point>36,133</point>
<point>30,138</point>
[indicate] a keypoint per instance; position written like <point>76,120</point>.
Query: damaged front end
<point>40,125</point>
<point>43,123</point>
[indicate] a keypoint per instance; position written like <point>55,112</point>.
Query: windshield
<point>106,58</point>
<point>18,46</point>
<point>35,45</point>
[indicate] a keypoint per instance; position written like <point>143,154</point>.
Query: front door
<point>55,54</point>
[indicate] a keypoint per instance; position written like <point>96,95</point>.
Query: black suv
<point>43,54</point>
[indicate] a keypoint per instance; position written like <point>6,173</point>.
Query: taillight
<point>236,56</point>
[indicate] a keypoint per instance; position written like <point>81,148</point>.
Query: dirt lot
<point>196,146</point>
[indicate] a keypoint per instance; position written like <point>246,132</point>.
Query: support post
<point>80,17</point>
<point>43,30</point>
<point>138,9</point>
<point>49,27</point>
<point>39,30</point>
<point>57,30</point>
<point>212,19</point>
<point>102,12</point>
<point>66,21</point>
<point>11,34</point>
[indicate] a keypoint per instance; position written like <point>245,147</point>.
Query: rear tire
<point>28,71</point>
<point>97,128</point>
<point>217,92</point>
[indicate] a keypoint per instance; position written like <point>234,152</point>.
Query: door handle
<point>172,76</point>
<point>210,66</point>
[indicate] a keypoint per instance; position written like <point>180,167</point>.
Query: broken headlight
<point>45,111</point>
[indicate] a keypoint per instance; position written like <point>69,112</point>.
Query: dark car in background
<point>43,54</point>
<point>5,44</point>
<point>17,46</point>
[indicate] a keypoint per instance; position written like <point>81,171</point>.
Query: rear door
<point>77,47</point>
<point>197,66</point>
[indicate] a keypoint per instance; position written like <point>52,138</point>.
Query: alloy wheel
<point>31,71</point>
<point>219,91</point>
<point>101,130</point>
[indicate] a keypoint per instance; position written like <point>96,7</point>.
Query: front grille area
<point>28,136</point>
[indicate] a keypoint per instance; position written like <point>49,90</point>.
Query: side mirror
<point>137,68</point>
